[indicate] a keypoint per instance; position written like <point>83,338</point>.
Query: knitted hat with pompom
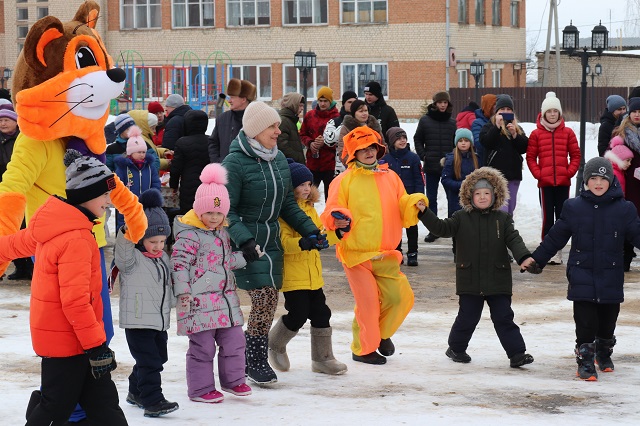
<point>135,143</point>
<point>212,195</point>
<point>151,201</point>
<point>620,149</point>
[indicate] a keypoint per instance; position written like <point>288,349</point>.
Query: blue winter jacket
<point>119,147</point>
<point>137,180</point>
<point>476,126</point>
<point>449,181</point>
<point>407,165</point>
<point>597,227</point>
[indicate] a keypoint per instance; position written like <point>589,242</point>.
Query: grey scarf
<point>261,151</point>
<point>632,139</point>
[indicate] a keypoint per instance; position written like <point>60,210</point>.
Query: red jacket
<point>313,126</point>
<point>465,119</point>
<point>553,157</point>
<point>66,307</point>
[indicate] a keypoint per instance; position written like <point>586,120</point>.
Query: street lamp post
<point>477,71</point>
<point>570,43</point>
<point>6,75</point>
<point>596,72</point>
<point>304,62</point>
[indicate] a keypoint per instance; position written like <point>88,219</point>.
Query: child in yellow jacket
<point>302,285</point>
<point>373,198</point>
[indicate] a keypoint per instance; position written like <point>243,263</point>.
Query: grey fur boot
<point>322,359</point>
<point>279,336</point>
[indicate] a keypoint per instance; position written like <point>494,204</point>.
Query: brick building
<point>176,45</point>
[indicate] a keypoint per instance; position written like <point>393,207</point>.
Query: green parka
<point>259,192</point>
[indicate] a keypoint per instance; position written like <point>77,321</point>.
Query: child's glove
<point>183,308</point>
<point>340,216</point>
<point>249,251</point>
<point>102,360</point>
<point>313,241</point>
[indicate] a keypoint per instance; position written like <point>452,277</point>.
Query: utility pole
<point>553,24</point>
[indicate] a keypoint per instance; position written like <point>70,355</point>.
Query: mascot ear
<point>88,14</point>
<point>40,35</point>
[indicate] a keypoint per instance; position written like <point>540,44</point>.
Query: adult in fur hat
<point>240,93</point>
<point>483,272</point>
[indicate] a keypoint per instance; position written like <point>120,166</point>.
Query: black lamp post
<point>596,72</point>
<point>6,75</point>
<point>304,61</point>
<point>477,71</point>
<point>599,43</point>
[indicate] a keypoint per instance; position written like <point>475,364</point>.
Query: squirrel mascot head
<point>64,80</point>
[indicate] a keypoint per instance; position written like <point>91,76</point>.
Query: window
<point>20,47</point>
<point>463,79</point>
<point>515,13</point>
<point>479,12</point>
<point>299,12</point>
<point>21,1</point>
<point>364,11</point>
<point>317,78</point>
<point>140,15</point>
<point>495,77</point>
<point>193,13</point>
<point>496,12</point>
<point>463,12</point>
<point>22,31</point>
<point>356,76</point>
<point>260,75</point>
<point>23,14</point>
<point>248,13</point>
<point>42,12</point>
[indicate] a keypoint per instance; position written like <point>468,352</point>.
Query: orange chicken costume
<point>64,81</point>
<point>379,207</point>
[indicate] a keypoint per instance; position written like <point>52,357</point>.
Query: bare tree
<point>632,21</point>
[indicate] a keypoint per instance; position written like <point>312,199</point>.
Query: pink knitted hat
<point>620,149</point>
<point>212,195</point>
<point>135,143</point>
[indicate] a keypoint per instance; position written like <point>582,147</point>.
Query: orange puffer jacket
<point>66,308</point>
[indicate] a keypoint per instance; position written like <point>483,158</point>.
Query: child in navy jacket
<point>407,165</point>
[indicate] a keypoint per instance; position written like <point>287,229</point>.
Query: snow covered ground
<point>417,386</point>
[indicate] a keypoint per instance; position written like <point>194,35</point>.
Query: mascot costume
<point>64,81</point>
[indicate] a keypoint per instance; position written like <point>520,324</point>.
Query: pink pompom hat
<point>212,194</point>
<point>135,143</point>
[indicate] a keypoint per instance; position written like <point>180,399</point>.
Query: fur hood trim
<point>495,178</point>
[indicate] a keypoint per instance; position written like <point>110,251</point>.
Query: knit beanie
<point>152,119</point>
<point>463,133</point>
<point>550,102</point>
<point>158,222</point>
<point>212,195</point>
<point>620,149</point>
<point>441,96</point>
<point>355,105</point>
<point>393,134</point>
<point>6,111</point>
<point>349,95</point>
<point>487,102</point>
<point>484,184</point>
<point>87,177</point>
<point>135,143</point>
<point>4,101</point>
<point>257,117</point>
<point>634,104</point>
<point>122,123</point>
<point>598,166</point>
<point>504,101</point>
<point>155,107</point>
<point>299,173</point>
<point>374,88</point>
<point>325,92</point>
<point>174,101</point>
<point>614,102</point>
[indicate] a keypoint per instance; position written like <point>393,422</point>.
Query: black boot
<point>373,358</point>
<point>160,409</point>
<point>386,347</point>
<point>24,269</point>
<point>458,356</point>
<point>258,369</point>
<point>585,354</point>
<point>519,360</point>
<point>34,400</point>
<point>604,349</point>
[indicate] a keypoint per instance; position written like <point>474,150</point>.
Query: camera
<point>507,117</point>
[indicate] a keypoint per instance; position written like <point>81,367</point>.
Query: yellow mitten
<point>127,203</point>
<point>12,206</point>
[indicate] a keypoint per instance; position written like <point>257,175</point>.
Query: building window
<point>515,13</point>
<point>356,76</point>
<point>495,77</point>
<point>42,12</point>
<point>23,14</point>
<point>260,75</point>
<point>20,47</point>
<point>140,14</point>
<point>197,13</point>
<point>463,12</point>
<point>248,13</point>
<point>480,12</point>
<point>22,31</point>
<point>463,79</point>
<point>364,11</point>
<point>496,12</point>
<point>21,1</point>
<point>300,12</point>
<point>317,78</point>
<point>42,1</point>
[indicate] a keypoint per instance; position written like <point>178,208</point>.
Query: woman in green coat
<point>260,191</point>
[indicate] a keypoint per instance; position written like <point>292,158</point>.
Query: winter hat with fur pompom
<point>151,201</point>
<point>620,149</point>
<point>135,143</point>
<point>212,195</point>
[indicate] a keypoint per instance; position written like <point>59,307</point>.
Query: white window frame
<point>463,79</point>
<point>242,23</point>
<point>496,77</point>
<point>496,12</point>
<point>185,5</point>
<point>312,81</point>
<point>132,7</point>
<point>356,8</point>
<point>22,10</point>
<point>237,71</point>
<point>314,5</point>
<point>380,75</point>
<point>42,11</point>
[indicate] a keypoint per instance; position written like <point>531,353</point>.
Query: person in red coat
<point>466,117</point>
<point>553,156</point>
<point>321,158</point>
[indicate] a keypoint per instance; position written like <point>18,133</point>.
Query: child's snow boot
<point>161,408</point>
<point>279,336</point>
<point>604,349</point>
<point>458,356</point>
<point>518,360</point>
<point>322,359</point>
<point>412,259</point>
<point>373,358</point>
<point>585,354</point>
<point>386,346</point>
<point>258,369</point>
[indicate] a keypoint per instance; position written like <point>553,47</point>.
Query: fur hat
<point>122,123</point>
<point>504,101</point>
<point>257,117</point>
<point>158,222</point>
<point>299,173</point>
<point>634,104</point>
<point>374,88</point>
<point>135,143</point>
<point>494,178</point>
<point>87,177</point>
<point>614,102</point>
<point>487,102</point>
<point>550,102</point>
<point>212,195</point>
<point>152,119</point>
<point>155,107</point>
<point>355,105</point>
<point>393,134</point>
<point>463,133</point>
<point>441,96</point>
<point>349,95</point>
<point>325,92</point>
<point>242,89</point>
<point>618,152</point>
<point>598,166</point>
<point>174,101</point>
<point>6,111</point>
<point>360,138</point>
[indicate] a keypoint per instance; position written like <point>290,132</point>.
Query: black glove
<point>102,360</point>
<point>249,251</point>
<point>339,215</point>
<point>313,241</point>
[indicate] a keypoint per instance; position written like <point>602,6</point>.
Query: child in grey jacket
<point>146,299</point>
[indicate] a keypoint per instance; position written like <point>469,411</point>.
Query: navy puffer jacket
<point>407,165</point>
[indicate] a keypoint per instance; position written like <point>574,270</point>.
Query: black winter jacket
<point>227,127</point>
<point>607,124</point>
<point>508,152</point>
<point>6,149</point>
<point>385,115</point>
<point>434,138</point>
<point>174,127</point>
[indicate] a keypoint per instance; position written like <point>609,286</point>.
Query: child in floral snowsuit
<point>208,309</point>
